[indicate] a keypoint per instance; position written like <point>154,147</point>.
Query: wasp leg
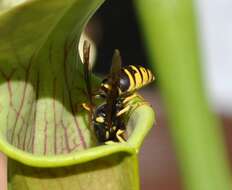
<point>138,104</point>
<point>119,137</point>
<point>127,99</point>
<point>124,110</point>
<point>128,107</point>
<point>86,106</point>
<point>110,142</point>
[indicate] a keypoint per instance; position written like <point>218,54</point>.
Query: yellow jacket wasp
<point>116,89</point>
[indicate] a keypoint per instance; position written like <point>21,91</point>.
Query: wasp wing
<point>113,78</point>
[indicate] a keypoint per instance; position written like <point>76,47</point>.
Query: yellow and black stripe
<point>131,78</point>
<point>134,77</point>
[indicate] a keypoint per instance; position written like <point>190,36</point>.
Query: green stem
<point>170,31</point>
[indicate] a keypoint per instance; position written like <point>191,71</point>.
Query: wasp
<point>116,89</point>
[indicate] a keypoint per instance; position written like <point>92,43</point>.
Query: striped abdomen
<point>131,78</point>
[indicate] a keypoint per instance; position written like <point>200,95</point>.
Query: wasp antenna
<point>116,61</point>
